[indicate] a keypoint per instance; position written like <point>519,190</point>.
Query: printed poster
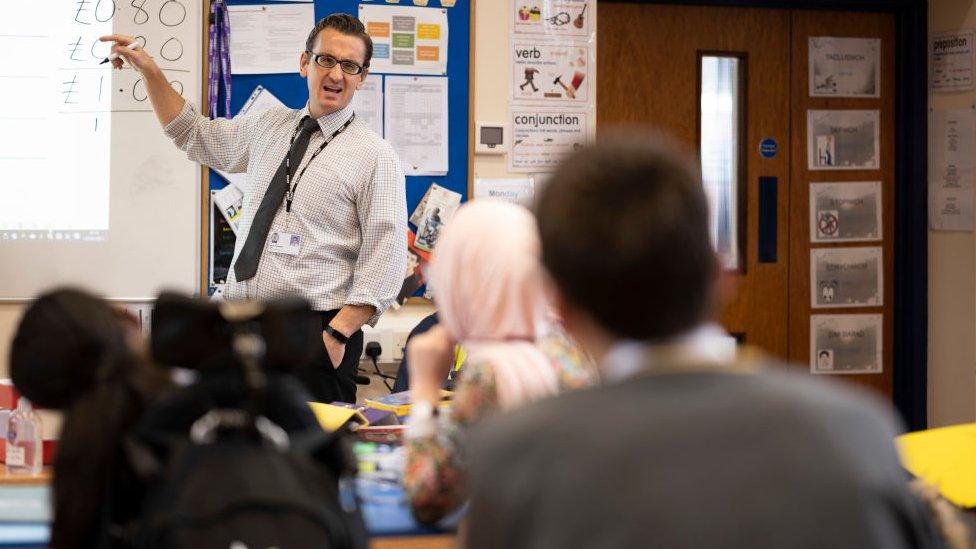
<point>846,344</point>
<point>845,212</point>
<point>435,209</point>
<point>222,241</point>
<point>951,60</point>
<point>416,122</point>
<point>541,138</point>
<point>952,140</point>
<point>550,72</point>
<point>568,18</point>
<point>845,67</point>
<point>406,39</point>
<point>268,39</point>
<point>368,103</point>
<point>846,277</point>
<point>843,140</point>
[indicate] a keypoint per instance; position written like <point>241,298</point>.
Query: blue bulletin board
<point>291,89</point>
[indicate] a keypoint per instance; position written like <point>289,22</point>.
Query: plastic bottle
<point>24,444</point>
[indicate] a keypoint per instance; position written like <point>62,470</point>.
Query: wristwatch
<point>339,336</point>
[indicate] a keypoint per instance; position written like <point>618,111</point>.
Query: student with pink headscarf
<point>489,291</point>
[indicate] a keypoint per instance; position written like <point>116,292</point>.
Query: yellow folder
<point>332,417</point>
<point>945,458</point>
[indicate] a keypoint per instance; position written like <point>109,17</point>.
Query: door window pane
<point>721,129</point>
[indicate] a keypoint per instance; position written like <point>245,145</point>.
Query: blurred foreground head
<point>487,276</point>
<point>67,341</point>
<point>624,229</point>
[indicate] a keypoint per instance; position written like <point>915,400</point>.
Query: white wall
<point>952,274</point>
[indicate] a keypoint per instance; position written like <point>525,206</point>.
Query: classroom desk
<point>385,512</point>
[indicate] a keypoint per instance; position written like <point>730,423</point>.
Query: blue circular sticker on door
<point>768,147</point>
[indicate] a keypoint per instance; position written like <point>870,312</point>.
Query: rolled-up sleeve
<point>223,143</point>
<point>382,261</point>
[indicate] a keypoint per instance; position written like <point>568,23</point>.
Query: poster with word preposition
<point>845,212</point>
<point>406,39</point>
<point>569,18</point>
<point>550,72</point>
<point>951,60</point>
<point>846,344</point>
<point>541,138</point>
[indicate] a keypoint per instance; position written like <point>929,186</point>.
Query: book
<point>399,403</point>
<point>383,434</point>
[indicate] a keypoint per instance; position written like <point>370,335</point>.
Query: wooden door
<point>650,62</point>
<point>807,24</point>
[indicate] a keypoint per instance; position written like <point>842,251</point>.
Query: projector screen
<point>92,193</point>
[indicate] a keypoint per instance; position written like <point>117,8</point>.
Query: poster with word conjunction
<point>406,39</point>
<point>845,212</point>
<point>951,60</point>
<point>846,277</point>
<point>568,18</point>
<point>846,344</point>
<point>845,67</point>
<point>843,140</point>
<point>952,140</point>
<point>550,72</point>
<point>541,138</point>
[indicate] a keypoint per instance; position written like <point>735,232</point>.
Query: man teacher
<point>327,188</point>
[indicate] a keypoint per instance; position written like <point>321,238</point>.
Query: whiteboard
<point>92,193</point>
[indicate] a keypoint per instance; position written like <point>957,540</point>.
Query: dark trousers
<point>327,383</point>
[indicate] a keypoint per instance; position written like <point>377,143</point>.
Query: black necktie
<point>247,261</point>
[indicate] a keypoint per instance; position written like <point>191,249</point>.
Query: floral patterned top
<point>434,479</point>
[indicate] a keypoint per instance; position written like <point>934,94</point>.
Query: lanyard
<point>219,56</point>
<point>290,194</point>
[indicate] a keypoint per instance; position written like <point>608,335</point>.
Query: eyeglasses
<point>327,62</point>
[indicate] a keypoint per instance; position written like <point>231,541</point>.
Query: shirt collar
<point>329,123</point>
<point>706,344</point>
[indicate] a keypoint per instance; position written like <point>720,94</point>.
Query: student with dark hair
<point>73,352</point>
<point>318,179</point>
<point>677,448</point>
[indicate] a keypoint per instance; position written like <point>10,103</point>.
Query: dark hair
<point>624,230</point>
<point>346,24</point>
<point>71,352</point>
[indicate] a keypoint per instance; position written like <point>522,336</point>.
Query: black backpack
<point>232,491</point>
<point>234,479</point>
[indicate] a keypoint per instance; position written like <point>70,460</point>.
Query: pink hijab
<point>488,286</point>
